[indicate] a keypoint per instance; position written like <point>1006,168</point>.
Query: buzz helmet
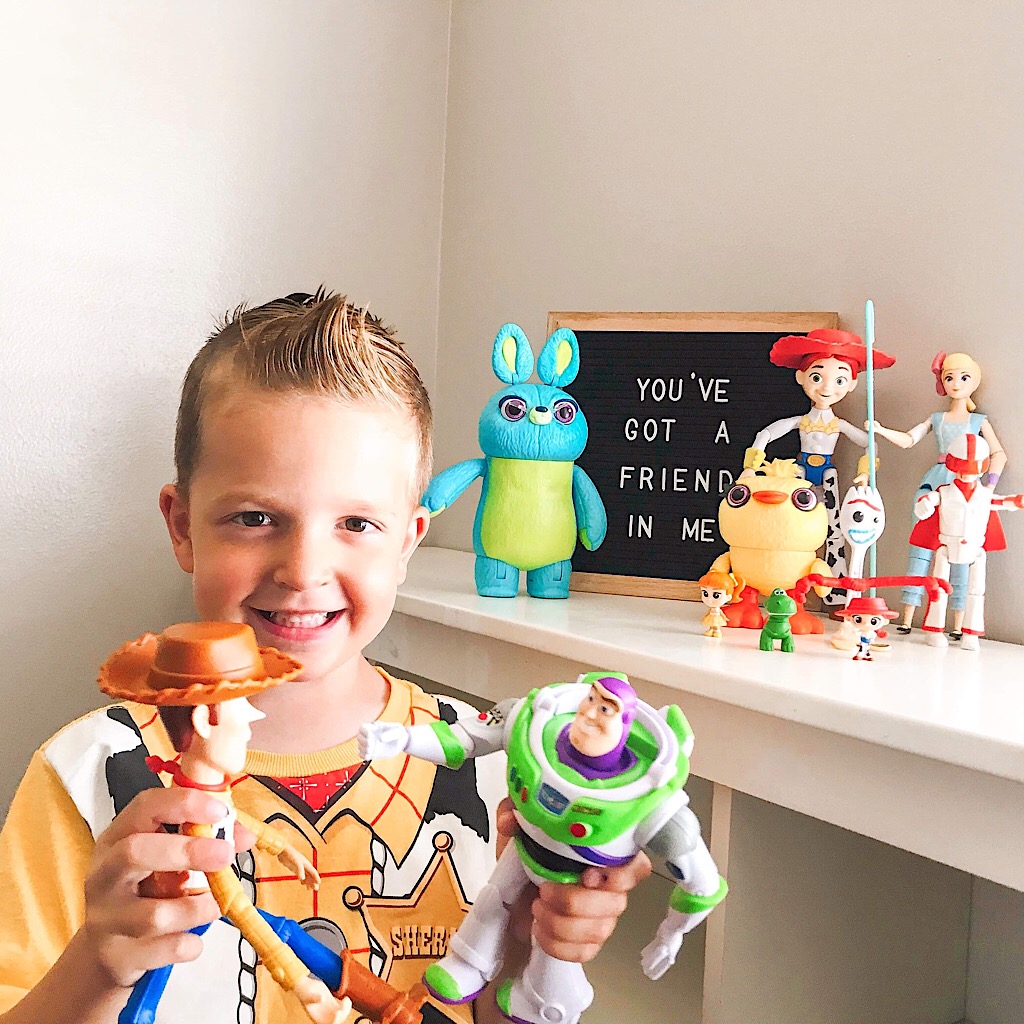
<point>969,454</point>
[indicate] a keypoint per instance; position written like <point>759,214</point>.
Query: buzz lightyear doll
<point>595,775</point>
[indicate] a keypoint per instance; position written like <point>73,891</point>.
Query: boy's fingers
<point>154,808</point>
<point>573,901</point>
<point>551,927</point>
<point>145,919</point>
<point>505,819</point>
<point>127,959</point>
<point>620,879</point>
<point>244,839</point>
<point>138,855</point>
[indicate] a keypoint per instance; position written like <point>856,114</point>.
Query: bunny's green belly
<point>527,518</point>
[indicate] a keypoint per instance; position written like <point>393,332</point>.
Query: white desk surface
<point>954,706</point>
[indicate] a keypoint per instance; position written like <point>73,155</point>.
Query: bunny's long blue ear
<point>559,360</point>
<point>512,359</point>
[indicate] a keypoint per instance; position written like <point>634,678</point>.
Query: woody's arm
<point>273,842</point>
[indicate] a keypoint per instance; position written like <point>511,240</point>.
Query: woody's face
<point>221,746</point>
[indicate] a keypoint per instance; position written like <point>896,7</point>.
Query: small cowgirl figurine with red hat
<point>827,363</point>
<point>868,615</point>
<point>199,676</point>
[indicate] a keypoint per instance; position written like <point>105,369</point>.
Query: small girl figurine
<point>957,376</point>
<point>717,589</point>
<point>827,363</point>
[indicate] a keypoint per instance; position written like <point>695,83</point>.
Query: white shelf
<point>954,706</point>
<point>921,749</point>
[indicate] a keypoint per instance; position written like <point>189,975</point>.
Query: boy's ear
<point>416,531</point>
<point>176,516</point>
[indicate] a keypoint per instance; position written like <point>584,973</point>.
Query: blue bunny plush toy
<point>534,499</point>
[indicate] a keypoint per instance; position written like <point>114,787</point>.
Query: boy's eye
<point>253,519</point>
<point>356,524</point>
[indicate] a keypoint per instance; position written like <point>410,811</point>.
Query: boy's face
<point>300,520</point>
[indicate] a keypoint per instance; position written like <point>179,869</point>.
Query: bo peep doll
<point>957,376</point>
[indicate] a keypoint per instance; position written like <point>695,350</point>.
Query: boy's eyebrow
<point>255,496</point>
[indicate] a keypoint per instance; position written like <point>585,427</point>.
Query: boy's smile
<point>300,520</point>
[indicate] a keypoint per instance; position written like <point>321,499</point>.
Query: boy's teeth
<point>306,621</point>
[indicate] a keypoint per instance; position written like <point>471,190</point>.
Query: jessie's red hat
<point>795,349</point>
<point>195,663</point>
<point>867,606</point>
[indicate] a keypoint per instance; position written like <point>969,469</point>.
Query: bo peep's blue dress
<point>946,432</point>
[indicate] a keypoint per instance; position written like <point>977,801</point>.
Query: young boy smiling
<point>302,446</point>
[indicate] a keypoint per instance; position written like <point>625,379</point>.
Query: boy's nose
<point>301,566</point>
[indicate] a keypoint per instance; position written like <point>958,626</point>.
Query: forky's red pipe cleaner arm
<point>931,584</point>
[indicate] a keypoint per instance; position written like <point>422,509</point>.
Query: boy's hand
<point>572,922</point>
<point>125,933</point>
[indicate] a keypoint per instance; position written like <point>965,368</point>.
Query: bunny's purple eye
<point>512,408</point>
<point>565,411</point>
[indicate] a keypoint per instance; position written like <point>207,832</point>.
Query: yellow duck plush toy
<point>774,524</point>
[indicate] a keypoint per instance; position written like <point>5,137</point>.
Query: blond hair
<point>317,344</point>
<point>962,361</point>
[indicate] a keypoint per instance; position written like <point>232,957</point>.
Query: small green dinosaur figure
<point>779,607</point>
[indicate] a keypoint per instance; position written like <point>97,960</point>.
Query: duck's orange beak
<point>770,497</point>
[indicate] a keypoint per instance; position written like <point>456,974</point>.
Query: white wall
<point>162,162</point>
<point>665,155</point>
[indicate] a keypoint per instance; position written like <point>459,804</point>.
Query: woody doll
<point>199,676</point>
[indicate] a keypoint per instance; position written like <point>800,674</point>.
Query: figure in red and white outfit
<point>958,522</point>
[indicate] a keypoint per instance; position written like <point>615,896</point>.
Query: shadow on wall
<point>87,561</point>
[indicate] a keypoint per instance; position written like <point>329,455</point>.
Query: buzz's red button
<point>522,795</point>
<point>578,830</point>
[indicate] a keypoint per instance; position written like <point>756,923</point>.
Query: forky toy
<point>862,522</point>
<point>595,775</point>
<point>199,675</point>
<point>958,521</point>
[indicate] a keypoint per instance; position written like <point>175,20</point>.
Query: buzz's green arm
<point>438,742</point>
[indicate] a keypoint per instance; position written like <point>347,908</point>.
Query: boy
<point>302,445</point>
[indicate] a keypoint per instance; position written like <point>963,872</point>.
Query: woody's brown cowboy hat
<point>194,663</point>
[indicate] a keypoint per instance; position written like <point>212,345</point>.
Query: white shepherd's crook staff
<point>869,341</point>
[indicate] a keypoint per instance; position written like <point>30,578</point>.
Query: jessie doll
<point>957,377</point>
<point>827,364</point>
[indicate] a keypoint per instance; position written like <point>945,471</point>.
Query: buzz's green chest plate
<point>544,795</point>
<point>528,519</point>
